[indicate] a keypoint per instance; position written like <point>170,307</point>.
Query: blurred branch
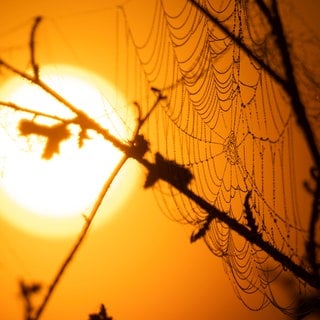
<point>16,107</point>
<point>84,232</point>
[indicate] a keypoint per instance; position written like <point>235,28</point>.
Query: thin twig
<point>160,97</point>
<point>34,65</point>
<point>16,107</point>
<point>82,236</point>
<point>141,120</point>
<point>289,84</point>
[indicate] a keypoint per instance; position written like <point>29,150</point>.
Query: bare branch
<point>27,292</point>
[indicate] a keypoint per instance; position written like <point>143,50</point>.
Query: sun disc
<point>54,192</point>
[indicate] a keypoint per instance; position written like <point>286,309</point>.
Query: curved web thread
<point>230,123</point>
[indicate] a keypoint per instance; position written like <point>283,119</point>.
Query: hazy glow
<point>54,194</point>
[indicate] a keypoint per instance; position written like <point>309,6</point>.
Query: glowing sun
<point>50,197</point>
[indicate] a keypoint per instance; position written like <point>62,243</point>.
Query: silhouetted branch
<point>266,11</point>
<point>16,107</point>
<point>308,306</point>
<point>139,147</point>
<point>204,227</point>
<point>311,245</point>
<point>84,232</point>
<point>162,168</point>
<point>289,83</point>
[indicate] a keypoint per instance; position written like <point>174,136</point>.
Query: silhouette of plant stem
<point>16,107</point>
<point>84,232</point>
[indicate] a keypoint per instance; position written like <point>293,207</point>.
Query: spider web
<point>230,123</point>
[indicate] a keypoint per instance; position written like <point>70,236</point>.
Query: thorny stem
<point>84,232</point>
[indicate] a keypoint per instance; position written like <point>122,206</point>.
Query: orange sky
<point>139,264</point>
